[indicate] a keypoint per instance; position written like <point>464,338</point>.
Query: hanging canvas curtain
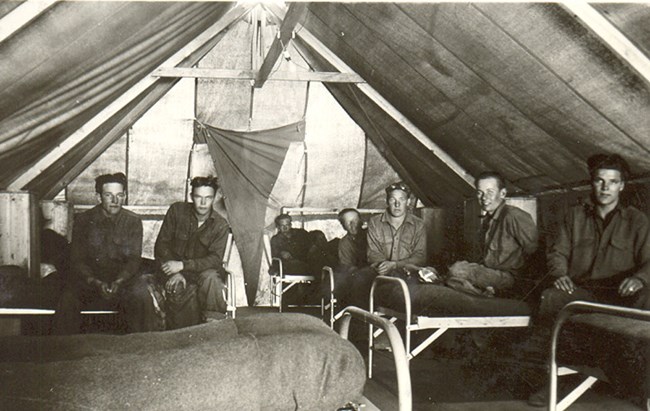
<point>248,164</point>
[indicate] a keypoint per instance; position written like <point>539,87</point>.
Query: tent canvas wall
<point>441,90</point>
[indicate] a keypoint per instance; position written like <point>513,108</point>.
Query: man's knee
<point>211,276</point>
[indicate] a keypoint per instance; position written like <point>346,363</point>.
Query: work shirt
<point>353,251</point>
<point>297,244</point>
<point>510,238</point>
<point>106,247</point>
<point>181,239</point>
<point>406,245</point>
<point>588,249</point>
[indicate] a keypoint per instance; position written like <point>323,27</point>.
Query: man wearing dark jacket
<point>191,244</point>
<point>105,262</point>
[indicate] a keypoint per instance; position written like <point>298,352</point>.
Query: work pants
<point>133,302</point>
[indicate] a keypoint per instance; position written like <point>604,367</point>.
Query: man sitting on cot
<point>396,245</point>
<point>352,253</point>
<point>601,253</point>
<point>302,252</point>
<point>105,263</point>
<point>507,239</point>
<point>190,249</point>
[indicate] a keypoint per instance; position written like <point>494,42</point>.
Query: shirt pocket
<point>621,252</point>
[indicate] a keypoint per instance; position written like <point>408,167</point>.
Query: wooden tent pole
<point>612,37</point>
<point>306,36</point>
<point>21,15</point>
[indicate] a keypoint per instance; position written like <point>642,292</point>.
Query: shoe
<point>539,398</point>
<point>382,343</point>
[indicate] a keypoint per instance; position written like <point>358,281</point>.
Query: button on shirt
<point>106,247</point>
<point>181,239</point>
<point>588,248</point>
<point>406,245</point>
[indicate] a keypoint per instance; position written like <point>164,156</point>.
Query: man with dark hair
<point>506,239</point>
<point>105,260</point>
<point>601,253</point>
<point>190,247</point>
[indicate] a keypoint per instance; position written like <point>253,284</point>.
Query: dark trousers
<point>133,301</point>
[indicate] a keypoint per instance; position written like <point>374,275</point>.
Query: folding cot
<point>438,309</point>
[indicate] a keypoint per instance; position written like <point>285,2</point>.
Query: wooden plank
<point>55,154</point>
<point>294,15</point>
<point>21,15</point>
<point>247,75</point>
<point>20,236</point>
<point>612,37</point>
<point>472,322</point>
<point>378,99</point>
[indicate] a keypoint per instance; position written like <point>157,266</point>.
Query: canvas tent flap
<point>64,80</point>
<point>248,164</point>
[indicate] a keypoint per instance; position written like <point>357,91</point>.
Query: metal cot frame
<point>573,308</point>
<point>421,322</point>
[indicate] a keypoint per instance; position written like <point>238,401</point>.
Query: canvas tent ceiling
<point>523,88</point>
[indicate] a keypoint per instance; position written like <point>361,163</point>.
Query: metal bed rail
<point>573,308</point>
<point>399,355</point>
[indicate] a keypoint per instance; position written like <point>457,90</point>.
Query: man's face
<point>397,201</point>
<point>351,222</point>
<point>606,186</point>
<point>112,198</point>
<point>203,197</point>
<point>284,226</point>
<point>489,195</point>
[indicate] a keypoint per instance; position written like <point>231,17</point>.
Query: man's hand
<point>285,255</point>
<point>385,267</point>
<point>173,282</point>
<point>172,267</point>
<point>630,286</point>
<point>565,283</point>
<point>115,286</point>
<point>105,290</point>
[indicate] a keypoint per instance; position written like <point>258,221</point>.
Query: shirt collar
<point>407,219</point>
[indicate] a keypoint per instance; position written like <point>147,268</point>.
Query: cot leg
<point>424,344</point>
<point>576,393</point>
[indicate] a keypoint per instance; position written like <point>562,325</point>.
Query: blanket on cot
<point>440,301</point>
<point>262,362</point>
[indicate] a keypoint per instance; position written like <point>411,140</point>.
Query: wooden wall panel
<point>19,231</point>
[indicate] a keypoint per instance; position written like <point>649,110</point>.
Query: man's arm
<point>347,254</point>
<point>642,250</point>
<point>214,259</point>
<point>163,248</point>
<point>525,233</point>
<point>558,256</point>
<point>560,250</point>
<point>134,250</point>
<point>375,248</point>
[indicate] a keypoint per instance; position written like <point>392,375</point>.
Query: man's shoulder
<point>634,214</point>
<point>413,219</point>
<point>516,213</point>
<point>130,215</point>
<point>180,207</point>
